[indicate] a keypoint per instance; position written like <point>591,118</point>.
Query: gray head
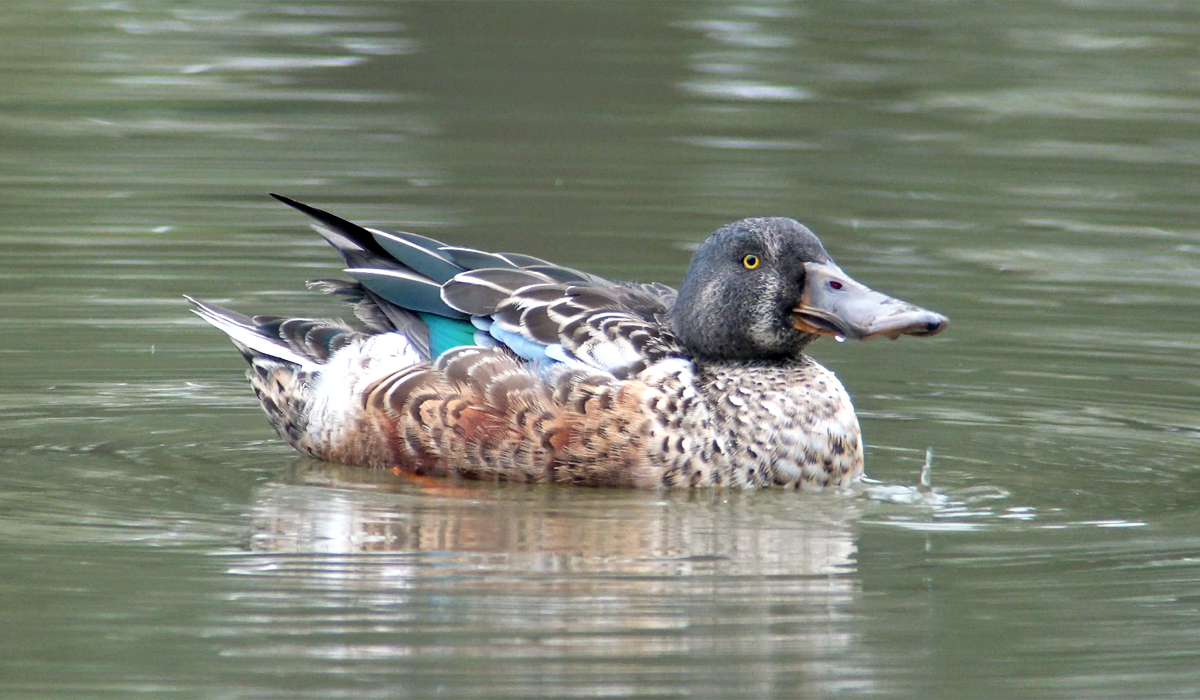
<point>762,289</point>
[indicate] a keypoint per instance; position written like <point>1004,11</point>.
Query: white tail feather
<point>248,336</point>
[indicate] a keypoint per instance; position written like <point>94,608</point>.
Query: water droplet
<point>840,338</point>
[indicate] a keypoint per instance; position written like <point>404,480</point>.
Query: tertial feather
<point>407,289</point>
<point>410,251</point>
<point>471,259</point>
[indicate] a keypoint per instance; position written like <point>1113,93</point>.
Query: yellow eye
<point>751,261</point>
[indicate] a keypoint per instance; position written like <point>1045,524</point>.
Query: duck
<point>503,366</point>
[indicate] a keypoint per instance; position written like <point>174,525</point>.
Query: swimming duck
<point>504,366</point>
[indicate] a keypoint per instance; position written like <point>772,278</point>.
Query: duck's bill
<point>834,304</point>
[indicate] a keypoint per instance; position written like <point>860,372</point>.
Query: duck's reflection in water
<point>326,508</point>
<point>760,580</point>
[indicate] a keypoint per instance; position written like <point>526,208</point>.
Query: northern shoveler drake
<point>505,366</point>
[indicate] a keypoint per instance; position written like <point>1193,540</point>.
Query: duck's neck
<point>785,423</point>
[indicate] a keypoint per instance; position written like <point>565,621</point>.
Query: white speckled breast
<point>790,424</point>
<point>739,424</point>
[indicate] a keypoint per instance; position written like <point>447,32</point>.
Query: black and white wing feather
<point>618,328</point>
<point>539,310</point>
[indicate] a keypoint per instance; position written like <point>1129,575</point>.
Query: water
<point>1028,169</point>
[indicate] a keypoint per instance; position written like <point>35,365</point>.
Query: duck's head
<point>765,288</point>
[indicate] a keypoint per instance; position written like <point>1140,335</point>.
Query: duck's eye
<point>751,261</point>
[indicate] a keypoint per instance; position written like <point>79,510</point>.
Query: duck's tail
<point>305,372</point>
<point>286,357</point>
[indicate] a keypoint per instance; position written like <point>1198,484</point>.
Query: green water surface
<point>1030,169</point>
